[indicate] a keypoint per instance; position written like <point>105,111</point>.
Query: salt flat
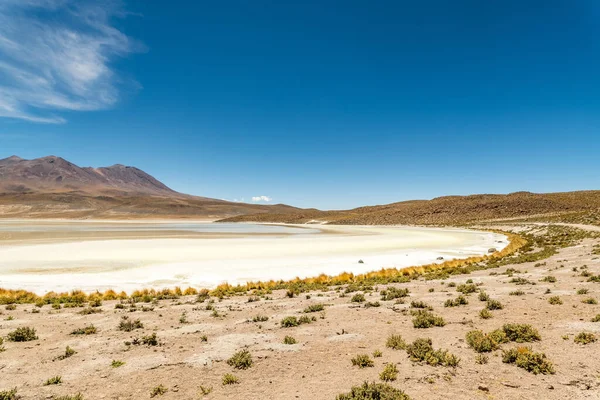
<point>132,256</point>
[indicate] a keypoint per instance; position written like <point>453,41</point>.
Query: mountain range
<point>52,187</point>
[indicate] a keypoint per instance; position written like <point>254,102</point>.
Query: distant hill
<point>52,187</point>
<point>449,210</point>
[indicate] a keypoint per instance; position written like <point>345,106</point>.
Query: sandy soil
<point>319,366</point>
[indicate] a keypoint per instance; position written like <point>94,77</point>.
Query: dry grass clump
<point>241,360</point>
<point>420,304</point>
<point>128,325</point>
<point>158,391</point>
<point>260,318</point>
<point>10,394</point>
<point>373,391</point>
<point>521,281</point>
<point>467,288</point>
<point>585,338</point>
<point>517,293</point>
<point>392,293</point>
<point>459,301</point>
<point>485,314</point>
<point>595,319</point>
<point>230,379</point>
<point>292,321</point>
<point>422,350</point>
<point>494,305</point>
<point>521,333</point>
<point>590,300</point>
<point>358,298</point>
<point>526,358</point>
<point>582,291</point>
<point>483,296</point>
<point>289,340</point>
<point>117,363</point>
<point>483,342</point>
<point>88,330</point>
<point>395,342</point>
<point>549,279</point>
<point>363,361</point>
<point>23,334</point>
<point>555,301</point>
<point>55,380</point>
<point>425,319</point>
<point>389,373</point>
<point>77,396</point>
<point>314,308</point>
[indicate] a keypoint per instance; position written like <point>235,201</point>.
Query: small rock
<point>483,388</point>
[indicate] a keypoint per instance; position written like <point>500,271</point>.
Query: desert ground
<point>197,335</point>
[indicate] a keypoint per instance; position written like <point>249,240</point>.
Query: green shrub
<point>305,319</point>
<point>117,363</point>
<point>420,304</point>
<point>395,342</point>
<point>582,291</point>
<point>483,296</point>
<point>10,394</point>
<point>289,340</point>
<point>362,361</point>
<point>595,319</point>
<point>459,301</point>
<point>425,319</point>
<point>422,350</point>
<point>589,300</point>
<point>524,357</point>
<point>389,373</point>
<point>585,338</point>
<point>555,300</point>
<point>23,334</point>
<point>11,307</point>
<point>373,391</point>
<point>78,396</point>
<point>241,360</point>
<point>128,325</point>
<point>150,340</point>
<point>229,379</point>
<point>260,318</point>
<point>517,293</point>
<point>158,391</point>
<point>88,330</point>
<point>485,314</point>
<point>481,359</point>
<point>481,342</point>
<point>358,298</point>
<point>377,353</point>
<point>314,308</point>
<point>55,380</point>
<point>89,310</point>
<point>494,305</point>
<point>392,293</point>
<point>521,333</point>
<point>289,322</point>
<point>549,279</point>
<point>467,288</point>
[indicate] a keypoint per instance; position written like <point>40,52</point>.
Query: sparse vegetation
<point>459,301</point>
<point>389,373</point>
<point>88,330</point>
<point>55,380</point>
<point>358,298</point>
<point>23,334</point>
<point>289,340</point>
<point>230,379</point>
<point>117,363</point>
<point>494,305</point>
<point>373,391</point>
<point>585,338</point>
<point>526,358</point>
<point>555,301</point>
<point>485,314</point>
<point>241,360</point>
<point>362,361</point>
<point>395,342</point>
<point>314,308</point>
<point>422,350</point>
<point>128,325</point>
<point>10,394</point>
<point>425,319</point>
<point>158,391</point>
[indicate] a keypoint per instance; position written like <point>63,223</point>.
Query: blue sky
<point>328,104</point>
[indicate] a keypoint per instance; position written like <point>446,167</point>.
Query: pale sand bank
<point>288,252</point>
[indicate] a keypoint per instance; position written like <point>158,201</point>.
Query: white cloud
<point>55,55</point>
<point>261,198</point>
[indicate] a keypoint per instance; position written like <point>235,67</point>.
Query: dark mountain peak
<point>55,174</point>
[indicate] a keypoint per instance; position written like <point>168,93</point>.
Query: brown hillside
<point>446,210</point>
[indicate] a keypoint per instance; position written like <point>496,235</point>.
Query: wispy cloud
<point>55,55</point>
<point>261,198</point>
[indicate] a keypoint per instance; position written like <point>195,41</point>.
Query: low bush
<point>459,301</point>
<point>395,342</point>
<point>241,360</point>
<point>389,373</point>
<point>158,391</point>
<point>526,358</point>
<point>373,391</point>
<point>229,379</point>
<point>128,325</point>
<point>555,301</point>
<point>425,319</point>
<point>422,350</point>
<point>392,293</point>
<point>55,380</point>
<point>585,338</point>
<point>362,361</point>
<point>521,333</point>
<point>358,298</point>
<point>23,334</point>
<point>289,340</point>
<point>314,308</point>
<point>494,305</point>
<point>88,330</point>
